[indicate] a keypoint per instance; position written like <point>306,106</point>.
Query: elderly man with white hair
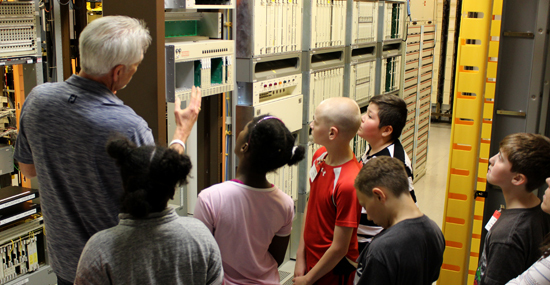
<point>64,130</point>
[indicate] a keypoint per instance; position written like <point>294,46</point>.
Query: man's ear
<point>117,72</point>
<point>379,195</point>
<point>333,133</point>
<point>519,179</point>
<point>387,131</point>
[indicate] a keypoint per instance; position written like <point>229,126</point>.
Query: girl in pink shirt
<point>251,218</point>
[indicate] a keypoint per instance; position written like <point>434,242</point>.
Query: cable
<point>74,6</point>
<point>59,1</point>
<point>227,138</point>
<point>8,132</point>
<point>42,5</point>
<point>407,22</point>
<point>406,30</point>
<point>15,165</point>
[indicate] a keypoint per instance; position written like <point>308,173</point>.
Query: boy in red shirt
<point>328,243</point>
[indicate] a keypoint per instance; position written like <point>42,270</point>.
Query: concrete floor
<point>430,189</point>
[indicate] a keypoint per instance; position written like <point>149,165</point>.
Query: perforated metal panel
<point>18,35</point>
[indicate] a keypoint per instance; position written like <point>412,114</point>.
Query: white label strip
<point>20,200</point>
<point>24,281</point>
<point>17,217</point>
<point>21,194</point>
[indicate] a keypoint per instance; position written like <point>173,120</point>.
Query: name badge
<point>314,170</point>
<point>492,221</point>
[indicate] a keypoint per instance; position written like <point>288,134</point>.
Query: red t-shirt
<point>333,185</point>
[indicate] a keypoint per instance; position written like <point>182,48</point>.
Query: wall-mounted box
<point>289,109</point>
<point>26,263</point>
<point>422,10</point>
<point>185,24</point>
<point>362,81</point>
<point>323,77</point>
<point>207,64</point>
<point>18,29</point>
<point>325,24</point>
<point>362,73</point>
<point>254,93</point>
<point>269,79</point>
<point>395,13</point>
<point>364,26</point>
<point>323,84</point>
<point>268,27</point>
<point>391,67</point>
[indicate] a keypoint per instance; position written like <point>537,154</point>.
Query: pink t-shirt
<point>244,221</point>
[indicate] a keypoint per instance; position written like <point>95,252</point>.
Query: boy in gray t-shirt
<point>512,242</point>
<point>410,248</point>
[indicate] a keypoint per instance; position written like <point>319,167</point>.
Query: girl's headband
<point>259,121</point>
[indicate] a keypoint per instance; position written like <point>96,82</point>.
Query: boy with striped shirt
<point>381,127</point>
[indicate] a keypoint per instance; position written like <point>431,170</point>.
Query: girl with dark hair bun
<point>151,244</point>
<point>251,218</point>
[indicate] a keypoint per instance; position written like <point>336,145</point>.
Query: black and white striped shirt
<point>368,229</point>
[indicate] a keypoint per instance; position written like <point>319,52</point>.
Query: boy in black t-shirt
<point>410,248</point>
<point>512,243</point>
<point>381,126</point>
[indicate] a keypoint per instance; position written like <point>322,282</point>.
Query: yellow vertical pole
<point>486,127</point>
<point>466,129</point>
<point>19,89</point>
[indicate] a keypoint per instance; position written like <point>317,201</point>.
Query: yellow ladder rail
<point>487,124</point>
<point>466,135</point>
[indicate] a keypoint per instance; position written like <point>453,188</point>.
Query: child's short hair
<point>383,171</point>
<point>529,155</point>
<point>392,111</point>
